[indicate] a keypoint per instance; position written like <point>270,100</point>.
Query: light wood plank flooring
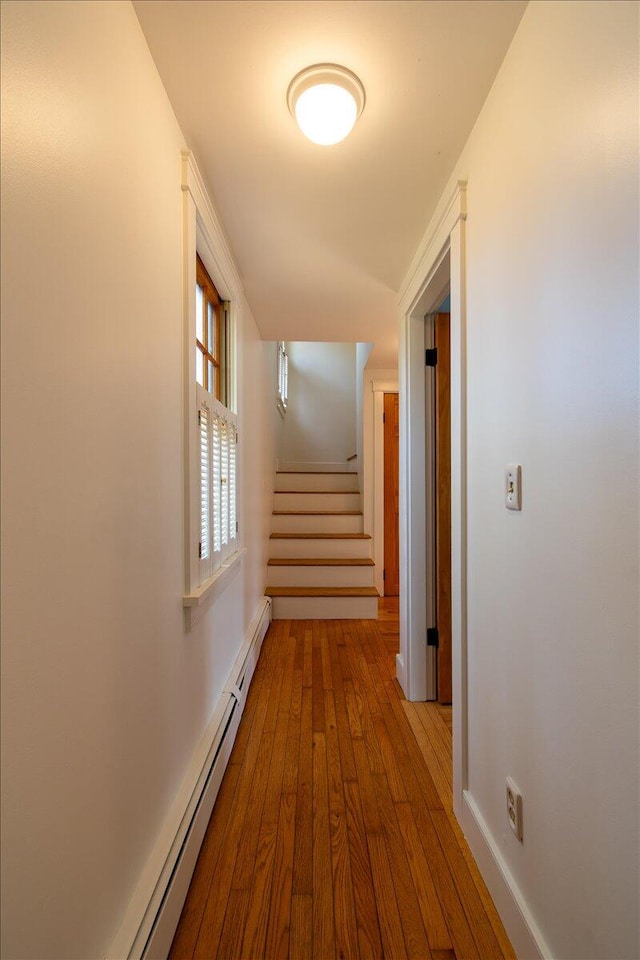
<point>333,835</point>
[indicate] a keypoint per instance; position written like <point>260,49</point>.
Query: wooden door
<point>443,504</point>
<point>391,495</point>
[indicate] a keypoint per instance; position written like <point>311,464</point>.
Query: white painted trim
<point>385,386</point>
<point>522,929</point>
<point>413,573</point>
<point>379,388</point>
<point>376,381</point>
<point>458,377</point>
<point>216,255</point>
<point>434,241</point>
<point>201,598</point>
<point>425,386</point>
<point>401,673</point>
<point>190,427</point>
<point>439,262</point>
<point>154,910</point>
<point>203,233</point>
<point>377,531</point>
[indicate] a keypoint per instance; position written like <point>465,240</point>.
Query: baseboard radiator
<point>151,920</point>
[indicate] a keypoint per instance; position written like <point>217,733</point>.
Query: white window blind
<point>233,516</point>
<point>218,495</point>
<point>216,446</point>
<point>224,483</point>
<point>283,376</point>
<point>204,423</point>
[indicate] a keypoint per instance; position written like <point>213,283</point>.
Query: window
<point>212,543</point>
<point>211,340</point>
<point>283,377</point>
<point>218,527</point>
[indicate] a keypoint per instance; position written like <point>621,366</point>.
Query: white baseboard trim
<point>151,919</point>
<point>521,927</point>
<point>401,673</point>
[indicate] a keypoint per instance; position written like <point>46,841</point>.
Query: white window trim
<point>202,595</point>
<point>203,234</point>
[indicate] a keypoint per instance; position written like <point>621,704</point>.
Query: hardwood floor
<point>333,835</point>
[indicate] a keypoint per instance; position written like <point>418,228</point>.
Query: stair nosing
<point>318,473</point>
<point>319,536</point>
<point>317,513</point>
<point>338,493</point>
<point>321,592</point>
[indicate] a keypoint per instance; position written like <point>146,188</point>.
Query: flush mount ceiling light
<point>326,100</point>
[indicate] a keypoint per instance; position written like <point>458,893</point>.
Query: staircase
<point>320,568</point>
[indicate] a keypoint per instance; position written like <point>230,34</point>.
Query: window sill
<point>196,602</point>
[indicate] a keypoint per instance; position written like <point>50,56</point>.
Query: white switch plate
<point>513,486</point>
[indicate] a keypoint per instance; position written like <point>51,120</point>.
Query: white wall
<point>552,315</point>
<point>104,695</point>
<point>320,423</point>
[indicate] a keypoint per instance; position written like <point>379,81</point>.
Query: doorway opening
<point>439,269</point>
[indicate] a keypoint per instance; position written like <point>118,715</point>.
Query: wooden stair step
<point>321,592</point>
<point>320,562</point>
<point>320,536</point>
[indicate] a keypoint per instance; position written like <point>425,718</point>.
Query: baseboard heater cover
<point>154,911</point>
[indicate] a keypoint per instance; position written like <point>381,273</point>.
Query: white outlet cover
<point>513,486</point>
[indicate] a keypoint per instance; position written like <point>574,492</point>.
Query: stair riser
<point>320,548</point>
<point>316,501</point>
<point>325,608</point>
<point>320,576</point>
<point>321,523</point>
<point>317,481</point>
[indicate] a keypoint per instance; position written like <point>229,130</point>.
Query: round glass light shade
<point>326,113</point>
<point>326,100</point>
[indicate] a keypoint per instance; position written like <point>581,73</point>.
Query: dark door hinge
<point>433,639</point>
<point>200,551</point>
<point>384,574</point>
<point>431,357</point>
<point>384,418</point>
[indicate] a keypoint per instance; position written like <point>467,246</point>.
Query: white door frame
<point>439,263</point>
<point>379,388</point>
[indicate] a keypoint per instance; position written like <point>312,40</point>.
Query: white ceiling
<point>324,235</point>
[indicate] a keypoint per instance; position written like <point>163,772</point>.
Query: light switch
<point>513,486</point>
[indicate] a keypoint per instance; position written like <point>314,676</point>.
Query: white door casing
<point>379,388</point>
<point>437,266</point>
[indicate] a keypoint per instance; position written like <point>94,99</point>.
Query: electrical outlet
<point>514,808</point>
